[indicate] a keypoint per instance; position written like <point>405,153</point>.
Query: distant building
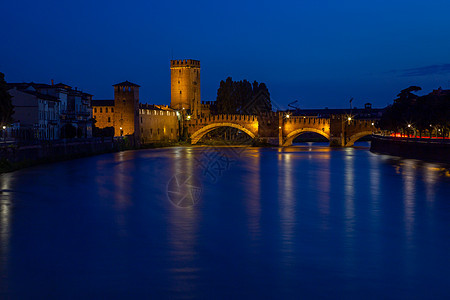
<point>357,113</point>
<point>208,108</point>
<point>36,115</point>
<point>129,117</point>
<point>58,105</point>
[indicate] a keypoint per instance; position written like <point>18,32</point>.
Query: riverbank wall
<point>14,157</point>
<point>435,150</point>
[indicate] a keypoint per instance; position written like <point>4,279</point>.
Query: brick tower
<point>126,108</point>
<point>185,86</point>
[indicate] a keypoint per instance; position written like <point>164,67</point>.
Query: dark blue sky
<point>318,52</point>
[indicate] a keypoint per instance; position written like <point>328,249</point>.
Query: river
<point>216,222</point>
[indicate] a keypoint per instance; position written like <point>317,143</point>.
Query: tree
<point>6,106</point>
<point>424,114</point>
<point>242,97</point>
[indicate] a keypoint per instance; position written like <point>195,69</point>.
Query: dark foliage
<point>424,114</point>
<point>6,107</point>
<point>242,97</point>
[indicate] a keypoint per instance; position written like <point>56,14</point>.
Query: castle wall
<point>126,110</point>
<point>185,85</point>
<point>104,116</point>
<point>158,125</point>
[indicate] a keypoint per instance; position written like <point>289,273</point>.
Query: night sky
<point>320,53</point>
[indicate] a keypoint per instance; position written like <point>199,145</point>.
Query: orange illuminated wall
<point>185,86</point>
<point>126,108</point>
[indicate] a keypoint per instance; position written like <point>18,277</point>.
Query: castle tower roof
<point>126,83</point>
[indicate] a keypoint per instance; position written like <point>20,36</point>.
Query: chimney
<point>52,81</point>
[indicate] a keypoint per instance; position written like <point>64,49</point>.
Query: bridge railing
<point>307,120</point>
<point>224,117</point>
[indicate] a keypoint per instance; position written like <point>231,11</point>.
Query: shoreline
<point>437,151</point>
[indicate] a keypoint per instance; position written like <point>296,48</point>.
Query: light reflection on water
<point>304,220</point>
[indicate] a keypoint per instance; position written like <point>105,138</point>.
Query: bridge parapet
<point>338,129</point>
<point>197,128</point>
<point>307,120</point>
<point>224,117</point>
<point>345,131</point>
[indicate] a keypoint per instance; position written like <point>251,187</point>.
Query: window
<point>112,109</point>
<point>109,119</point>
<point>141,119</point>
<point>158,131</point>
<point>106,110</point>
<point>180,92</point>
<point>95,109</point>
<point>100,110</point>
<point>151,130</point>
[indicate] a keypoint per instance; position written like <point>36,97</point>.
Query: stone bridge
<point>280,129</point>
<point>197,128</point>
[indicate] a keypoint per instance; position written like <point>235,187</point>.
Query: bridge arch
<point>196,136</point>
<point>356,137</point>
<point>291,136</point>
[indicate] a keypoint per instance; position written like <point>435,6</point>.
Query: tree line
<point>6,106</point>
<point>242,97</point>
<point>429,114</point>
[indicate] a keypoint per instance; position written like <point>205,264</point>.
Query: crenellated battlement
<point>307,120</point>
<point>191,63</point>
<point>339,130</point>
<point>224,117</point>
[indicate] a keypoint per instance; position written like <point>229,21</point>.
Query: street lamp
<point>188,118</point>
<point>349,119</point>
<point>287,116</point>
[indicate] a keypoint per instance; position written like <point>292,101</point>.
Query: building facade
<point>48,109</point>
<point>36,115</point>
<point>129,117</point>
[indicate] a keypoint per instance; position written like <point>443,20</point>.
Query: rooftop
<point>126,83</point>
<point>155,107</point>
<point>102,103</point>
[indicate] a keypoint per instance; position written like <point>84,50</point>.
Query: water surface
<point>201,222</point>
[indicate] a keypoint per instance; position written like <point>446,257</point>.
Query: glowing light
<point>188,118</point>
<point>120,128</point>
<point>287,116</point>
<point>4,127</point>
<point>279,127</point>
<point>409,125</point>
<point>373,123</point>
<point>349,118</point>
